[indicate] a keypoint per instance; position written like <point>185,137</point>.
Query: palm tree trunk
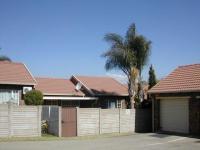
<point>131,91</point>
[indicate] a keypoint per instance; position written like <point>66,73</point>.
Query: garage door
<point>174,115</point>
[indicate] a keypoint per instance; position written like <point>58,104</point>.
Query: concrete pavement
<point>150,141</point>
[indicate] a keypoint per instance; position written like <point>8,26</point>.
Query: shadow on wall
<point>143,120</point>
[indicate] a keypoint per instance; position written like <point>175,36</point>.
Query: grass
<point>48,137</point>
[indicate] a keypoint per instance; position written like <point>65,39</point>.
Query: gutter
<point>68,98</point>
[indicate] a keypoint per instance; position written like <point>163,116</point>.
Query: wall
<point>94,121</point>
<point>127,120</point>
<point>143,120</point>
<point>194,116</point>
<point>53,116</point>
<point>87,121</point>
<point>20,121</point>
<point>109,122</point>
<point>156,115</point>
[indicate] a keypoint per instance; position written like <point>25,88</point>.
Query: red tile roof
<point>103,85</point>
<point>15,73</point>
<point>56,86</point>
<point>183,79</point>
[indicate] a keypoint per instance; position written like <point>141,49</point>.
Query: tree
<point>33,97</point>
<point>128,54</point>
<point>152,77</point>
<point>4,58</point>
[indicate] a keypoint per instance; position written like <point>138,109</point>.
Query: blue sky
<point>63,37</point>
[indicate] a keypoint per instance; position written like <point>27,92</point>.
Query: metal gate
<point>69,122</point>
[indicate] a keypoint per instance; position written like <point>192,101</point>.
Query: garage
<point>174,115</point>
<point>176,101</point>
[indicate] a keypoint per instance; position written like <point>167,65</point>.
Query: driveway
<point>148,141</point>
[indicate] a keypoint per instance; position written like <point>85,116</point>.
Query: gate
<point>69,122</point>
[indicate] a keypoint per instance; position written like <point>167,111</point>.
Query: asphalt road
<point>149,141</point>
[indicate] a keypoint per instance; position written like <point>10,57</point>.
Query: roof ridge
<point>37,77</point>
<point>10,62</point>
<point>95,76</point>
<point>189,65</point>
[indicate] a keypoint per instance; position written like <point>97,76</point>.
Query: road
<point>150,141</point>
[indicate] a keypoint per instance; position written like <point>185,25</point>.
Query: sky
<point>59,38</point>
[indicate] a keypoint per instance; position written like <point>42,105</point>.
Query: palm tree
<point>129,55</point>
<point>140,46</point>
<point>4,58</point>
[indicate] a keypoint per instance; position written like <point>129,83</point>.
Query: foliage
<point>33,97</point>
<point>152,77</point>
<point>128,54</point>
<point>4,58</point>
<point>44,126</point>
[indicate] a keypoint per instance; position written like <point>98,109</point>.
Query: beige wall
<point>93,121</point>
<point>20,121</point>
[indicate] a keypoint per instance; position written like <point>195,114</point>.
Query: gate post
<point>10,116</point>
<point>39,113</point>
<point>77,121</point>
<point>119,120</point>
<point>60,121</point>
<point>99,120</point>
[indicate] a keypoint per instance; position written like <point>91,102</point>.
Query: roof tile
<point>183,79</point>
<point>15,73</point>
<point>56,86</point>
<point>103,85</point>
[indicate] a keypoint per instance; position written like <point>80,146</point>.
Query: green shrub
<point>44,126</point>
<point>33,97</point>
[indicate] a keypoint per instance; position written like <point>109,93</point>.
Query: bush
<point>44,126</point>
<point>33,97</point>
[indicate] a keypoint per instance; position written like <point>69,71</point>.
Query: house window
<point>119,104</point>
<point>9,96</point>
<point>112,104</point>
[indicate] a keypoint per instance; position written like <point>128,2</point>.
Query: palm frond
<point>131,33</point>
<point>141,47</point>
<point>114,39</point>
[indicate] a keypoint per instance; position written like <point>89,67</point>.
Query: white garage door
<point>174,115</point>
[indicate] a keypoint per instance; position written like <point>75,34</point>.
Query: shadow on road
<point>160,135</point>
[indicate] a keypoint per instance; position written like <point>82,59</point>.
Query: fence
<point>52,114</point>
<point>89,121</point>
<point>20,121</point>
<point>93,121</point>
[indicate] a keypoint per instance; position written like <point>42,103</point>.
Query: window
<point>113,104</point>
<point>9,96</point>
<point>119,104</point>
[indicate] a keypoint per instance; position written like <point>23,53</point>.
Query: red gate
<point>69,122</point>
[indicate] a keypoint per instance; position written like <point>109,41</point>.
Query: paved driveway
<point>135,141</point>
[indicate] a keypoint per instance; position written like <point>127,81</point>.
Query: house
<point>78,91</point>
<point>15,80</point>
<point>110,93</point>
<point>62,92</point>
<point>176,101</point>
<point>83,91</point>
